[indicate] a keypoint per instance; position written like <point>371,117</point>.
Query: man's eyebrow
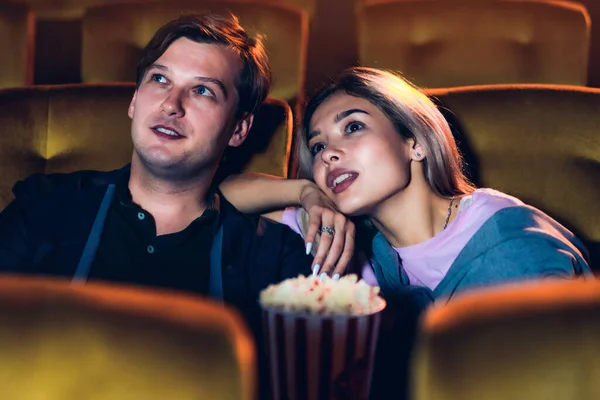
<point>216,82</point>
<point>158,66</point>
<point>312,134</point>
<point>346,113</point>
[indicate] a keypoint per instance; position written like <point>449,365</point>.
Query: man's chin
<point>174,169</point>
<point>158,161</point>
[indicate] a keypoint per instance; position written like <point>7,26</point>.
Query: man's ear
<point>132,105</point>
<point>242,128</point>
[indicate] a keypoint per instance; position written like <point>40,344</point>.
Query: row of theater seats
<point>537,142</point>
<point>435,43</point>
<point>534,341</point>
<point>63,128</point>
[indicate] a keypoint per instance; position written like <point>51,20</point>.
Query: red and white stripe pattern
<point>320,357</point>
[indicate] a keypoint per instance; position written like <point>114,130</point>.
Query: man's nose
<point>173,105</point>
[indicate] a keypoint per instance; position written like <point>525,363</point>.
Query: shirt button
<point>141,216</point>
<point>150,249</point>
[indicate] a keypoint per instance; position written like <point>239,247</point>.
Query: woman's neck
<point>412,215</point>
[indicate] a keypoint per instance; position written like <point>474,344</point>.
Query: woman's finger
<point>337,245</point>
<point>314,223</point>
<point>324,241</point>
<point>348,253</point>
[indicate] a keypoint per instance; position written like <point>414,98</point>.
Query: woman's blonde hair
<point>412,113</point>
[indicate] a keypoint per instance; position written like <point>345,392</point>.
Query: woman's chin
<point>353,208</point>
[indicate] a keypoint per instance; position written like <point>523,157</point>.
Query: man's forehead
<point>216,57</point>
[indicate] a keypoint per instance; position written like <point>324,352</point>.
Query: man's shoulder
<point>257,225</point>
<point>41,186</point>
<point>275,250</point>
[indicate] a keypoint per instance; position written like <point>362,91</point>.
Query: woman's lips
<point>348,180</point>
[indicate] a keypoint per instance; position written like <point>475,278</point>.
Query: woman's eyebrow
<point>346,113</point>
<point>337,119</point>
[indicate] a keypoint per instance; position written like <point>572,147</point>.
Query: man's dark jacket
<point>45,228</point>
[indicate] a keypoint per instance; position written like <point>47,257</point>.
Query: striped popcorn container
<point>318,356</point>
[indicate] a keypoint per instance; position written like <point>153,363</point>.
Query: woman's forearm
<point>253,193</point>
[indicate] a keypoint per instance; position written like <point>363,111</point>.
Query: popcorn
<point>346,296</point>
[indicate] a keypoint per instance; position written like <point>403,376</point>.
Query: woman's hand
<point>329,231</point>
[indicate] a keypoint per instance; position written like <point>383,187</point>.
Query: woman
<point>379,148</point>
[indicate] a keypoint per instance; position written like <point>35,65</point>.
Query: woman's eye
<point>317,148</point>
<point>159,78</point>
<point>353,127</point>
<point>204,91</point>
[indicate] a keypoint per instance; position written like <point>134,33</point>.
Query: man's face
<point>183,112</point>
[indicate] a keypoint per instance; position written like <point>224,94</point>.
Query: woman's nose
<point>332,154</point>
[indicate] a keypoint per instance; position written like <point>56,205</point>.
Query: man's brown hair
<point>253,82</point>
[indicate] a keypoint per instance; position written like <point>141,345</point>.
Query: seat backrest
<point>65,128</point>
<point>17,42</point>
<point>535,341</point>
<point>593,8</point>
<point>72,9</point>
<point>119,32</point>
<point>99,341</point>
<point>540,143</point>
<point>439,43</point>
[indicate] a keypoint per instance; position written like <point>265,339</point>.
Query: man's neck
<point>173,205</point>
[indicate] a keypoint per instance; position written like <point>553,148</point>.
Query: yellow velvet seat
<point>593,8</point>
<point>440,43</point>
<point>540,143</point>
<point>97,341</point>
<point>118,32</point>
<point>72,9</point>
<point>17,32</point>
<point>535,341</point>
<point>70,127</point>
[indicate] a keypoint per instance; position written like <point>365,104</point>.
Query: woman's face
<point>359,159</point>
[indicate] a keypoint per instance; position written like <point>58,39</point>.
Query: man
<point>158,222</point>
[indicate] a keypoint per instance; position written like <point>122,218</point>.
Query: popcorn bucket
<point>314,356</point>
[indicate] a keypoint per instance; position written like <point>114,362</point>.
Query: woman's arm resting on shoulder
<point>254,193</point>
<point>269,195</point>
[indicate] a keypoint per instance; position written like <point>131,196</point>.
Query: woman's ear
<point>416,151</point>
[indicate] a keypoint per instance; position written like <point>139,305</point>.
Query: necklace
<point>449,212</point>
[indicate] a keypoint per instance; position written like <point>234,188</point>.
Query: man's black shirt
<point>130,251</point>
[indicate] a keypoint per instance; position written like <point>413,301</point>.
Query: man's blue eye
<point>203,91</point>
<point>159,78</point>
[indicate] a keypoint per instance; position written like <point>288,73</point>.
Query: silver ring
<point>328,229</point>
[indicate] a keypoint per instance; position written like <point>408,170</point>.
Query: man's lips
<point>167,132</point>
<point>339,180</point>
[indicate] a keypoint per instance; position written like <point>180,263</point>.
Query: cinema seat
<point>119,31</point>
<point>17,35</point>
<point>99,341</point>
<point>70,127</point>
<point>534,341</point>
<point>540,143</point>
<point>441,43</point>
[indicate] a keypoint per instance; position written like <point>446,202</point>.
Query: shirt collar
<point>123,196</point>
